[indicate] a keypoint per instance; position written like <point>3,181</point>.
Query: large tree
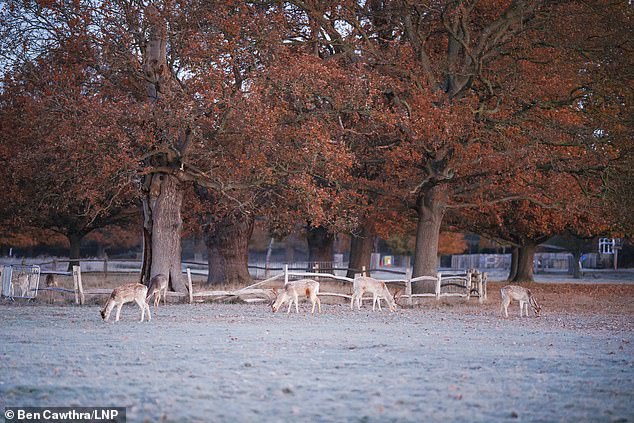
<point>464,78</point>
<point>54,178</point>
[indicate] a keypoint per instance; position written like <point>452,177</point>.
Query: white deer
<point>125,294</point>
<point>158,285</point>
<point>378,289</point>
<point>520,294</point>
<point>292,290</point>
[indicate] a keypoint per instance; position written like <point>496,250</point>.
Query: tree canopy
<point>509,118</point>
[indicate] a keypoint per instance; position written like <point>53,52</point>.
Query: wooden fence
<point>470,282</point>
<point>446,284</point>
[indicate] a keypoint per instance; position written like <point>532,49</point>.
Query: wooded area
<point>511,119</point>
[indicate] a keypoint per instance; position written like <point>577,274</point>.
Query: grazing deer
<point>50,281</point>
<point>378,289</point>
<point>520,294</point>
<point>124,294</point>
<point>292,290</point>
<point>158,284</point>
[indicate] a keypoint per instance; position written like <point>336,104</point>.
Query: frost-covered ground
<point>447,361</point>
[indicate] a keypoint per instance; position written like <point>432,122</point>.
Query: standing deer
<point>292,290</point>
<point>125,294</point>
<point>158,284</point>
<point>520,294</point>
<point>378,289</point>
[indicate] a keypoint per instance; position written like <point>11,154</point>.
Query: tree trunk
<point>228,248</point>
<point>162,229</point>
<point>74,252</point>
<point>162,192</point>
<point>320,247</point>
<point>431,209</point>
<point>525,258</point>
<point>514,257</point>
<point>576,271</point>
<point>361,247</point>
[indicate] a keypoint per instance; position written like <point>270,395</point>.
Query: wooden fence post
<point>267,261</point>
<point>485,277</point>
<point>469,281</point>
<point>79,289</point>
<point>363,271</point>
<point>105,266</point>
<point>189,285</point>
<point>480,287</point>
<point>438,279</point>
<point>408,287</point>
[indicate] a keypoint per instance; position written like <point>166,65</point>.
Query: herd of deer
<point>291,292</point>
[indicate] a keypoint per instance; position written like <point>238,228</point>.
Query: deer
<point>523,296</point>
<point>158,284</point>
<point>125,294</point>
<point>50,281</point>
<point>378,289</point>
<point>292,290</point>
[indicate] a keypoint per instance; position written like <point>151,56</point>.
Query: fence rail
<point>446,284</point>
<point>472,282</point>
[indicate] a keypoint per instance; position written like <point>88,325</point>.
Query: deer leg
<point>149,315</point>
<point>108,310</point>
<point>296,304</point>
<point>505,306</point>
<point>142,308</point>
<point>290,303</point>
<point>118,312</point>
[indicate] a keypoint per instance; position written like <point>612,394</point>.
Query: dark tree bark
<point>162,190</point>
<point>430,206</point>
<point>227,243</point>
<point>361,247</point>
<point>525,258</point>
<point>162,230</point>
<point>514,258</point>
<point>576,271</point>
<point>75,249</point>
<point>320,246</point>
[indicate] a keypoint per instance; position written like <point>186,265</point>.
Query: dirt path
<point>211,362</point>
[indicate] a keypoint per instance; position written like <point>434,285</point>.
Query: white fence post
<point>469,275</point>
<point>483,293</point>
<point>189,285</point>
<point>438,279</point>
<point>363,271</point>
<point>408,287</point>
<point>285,274</point>
<point>79,289</point>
